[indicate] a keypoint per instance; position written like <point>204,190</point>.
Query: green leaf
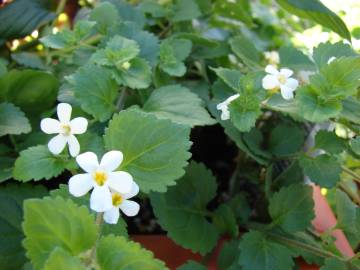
<point>12,253</point>
<point>230,76</point>
<point>155,151</point>
<point>314,107</point>
<point>12,120</point>
<point>36,163</point>
<point>67,38</point>
<point>148,42</point>
<point>178,104</point>
<point>137,76</point>
<point>172,54</point>
<point>118,50</point>
<point>60,259</point>
<point>105,16</point>
<point>224,219</point>
<point>181,211</point>
<point>317,12</point>
<point>259,253</point>
<point>295,59</point>
<point>240,208</point>
<point>229,256</point>
<point>118,229</point>
<point>185,10</point>
<point>324,51</point>
<point>351,110</point>
<point>286,139</point>
<point>118,253</point>
<point>129,13</point>
<point>244,111</point>
<point>355,145</point>
<point>33,91</point>
<point>191,265</point>
<point>19,18</point>
<point>342,77</point>
<point>239,10</point>
<point>246,51</point>
<point>323,170</point>
<point>62,224</point>
<point>292,208</point>
<point>347,212</point>
<point>28,59</point>
<point>334,264</point>
<point>96,91</point>
<point>3,68</point>
<point>6,168</point>
<point>329,142</point>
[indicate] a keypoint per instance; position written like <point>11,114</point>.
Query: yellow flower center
<point>282,79</point>
<point>126,65</point>
<point>100,177</point>
<point>117,199</point>
<point>66,130</point>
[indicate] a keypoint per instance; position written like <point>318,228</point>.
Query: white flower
<point>304,76</point>
<point>272,57</point>
<point>331,59</point>
<point>65,128</point>
<point>280,79</point>
<point>224,107</point>
<point>120,202</point>
<point>101,177</point>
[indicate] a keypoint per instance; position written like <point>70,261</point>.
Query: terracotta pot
<point>174,256</point>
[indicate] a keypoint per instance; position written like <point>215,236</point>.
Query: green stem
<point>13,142</point>
<point>121,100</point>
<point>297,244</point>
<point>99,220</point>
<point>355,176</point>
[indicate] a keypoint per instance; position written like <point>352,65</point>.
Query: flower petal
<point>50,126</point>
<point>232,98</point>
<point>286,92</point>
<point>112,216</point>
<point>133,192</point>
<point>78,125</point>
<point>57,144</point>
<point>271,70</point>
<point>80,184</point>
<point>74,146</point>
<point>101,200</point>
<point>286,72</point>
<point>270,82</point>
<point>225,114</point>
<point>130,208</point>
<point>88,161</point>
<point>111,160</point>
<point>292,83</point>
<point>64,112</point>
<point>120,182</point>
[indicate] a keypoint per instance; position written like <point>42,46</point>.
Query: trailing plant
<point>102,118</point>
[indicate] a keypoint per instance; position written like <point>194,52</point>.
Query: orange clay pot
<point>174,256</point>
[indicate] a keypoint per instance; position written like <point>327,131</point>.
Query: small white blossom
<point>120,201</point>
<point>224,107</point>
<point>331,59</point>
<point>102,178</point>
<point>65,128</point>
<point>280,79</point>
<point>304,76</point>
<point>272,57</point>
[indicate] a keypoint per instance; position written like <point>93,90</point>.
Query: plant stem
<point>121,100</point>
<point>99,220</point>
<point>13,142</point>
<point>351,173</point>
<point>294,243</point>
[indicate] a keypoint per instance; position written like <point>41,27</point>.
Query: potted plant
<point>197,119</point>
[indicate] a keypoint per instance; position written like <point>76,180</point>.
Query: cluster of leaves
<point>146,74</point>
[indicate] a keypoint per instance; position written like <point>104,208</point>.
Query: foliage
<point>176,92</point>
